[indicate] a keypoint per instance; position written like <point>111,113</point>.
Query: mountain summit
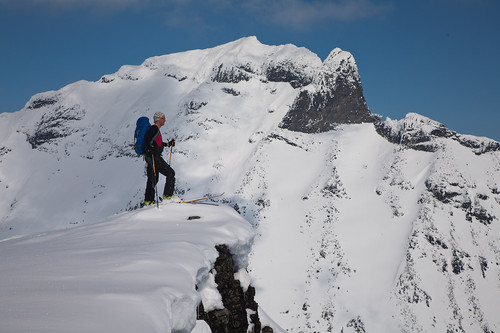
<point>334,96</point>
<point>362,225</point>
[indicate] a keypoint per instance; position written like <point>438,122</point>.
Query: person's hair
<point>157,116</point>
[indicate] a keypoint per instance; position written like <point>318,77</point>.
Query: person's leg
<point>169,173</point>
<point>149,195</point>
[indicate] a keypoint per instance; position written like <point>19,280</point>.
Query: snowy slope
<point>390,227</point>
<point>134,272</point>
<point>368,241</point>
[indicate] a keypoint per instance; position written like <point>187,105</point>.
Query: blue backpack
<point>141,128</point>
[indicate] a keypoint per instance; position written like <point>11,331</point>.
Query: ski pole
<point>170,159</point>
<point>156,182</point>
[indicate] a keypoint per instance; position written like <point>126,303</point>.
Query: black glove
<point>171,143</point>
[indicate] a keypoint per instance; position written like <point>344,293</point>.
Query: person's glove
<point>171,143</point>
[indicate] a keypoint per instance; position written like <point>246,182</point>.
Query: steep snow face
<point>372,236</point>
<point>383,227</point>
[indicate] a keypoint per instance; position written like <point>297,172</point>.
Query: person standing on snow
<point>155,162</point>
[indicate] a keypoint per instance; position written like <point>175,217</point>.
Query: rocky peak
<point>342,62</point>
<point>335,97</point>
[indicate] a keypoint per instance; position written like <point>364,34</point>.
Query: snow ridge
<point>421,133</point>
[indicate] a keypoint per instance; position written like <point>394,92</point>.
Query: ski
<point>204,198</point>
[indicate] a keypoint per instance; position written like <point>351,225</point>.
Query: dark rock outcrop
<point>335,97</point>
<point>341,103</point>
<point>231,74</point>
<point>233,318</point>
<point>40,102</point>
<point>287,72</point>
<point>55,123</point>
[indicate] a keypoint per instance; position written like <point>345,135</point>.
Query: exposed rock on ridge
<point>240,308</point>
<point>335,98</point>
<point>421,133</point>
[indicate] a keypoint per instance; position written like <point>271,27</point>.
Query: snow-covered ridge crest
<point>413,122</point>
<point>244,59</point>
<point>235,61</point>
<point>152,265</point>
<point>421,133</point>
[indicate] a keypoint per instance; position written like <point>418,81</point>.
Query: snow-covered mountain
<point>361,225</point>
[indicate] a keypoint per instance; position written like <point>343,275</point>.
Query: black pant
<point>160,166</point>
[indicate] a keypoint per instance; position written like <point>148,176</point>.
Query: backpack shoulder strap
<point>154,136</point>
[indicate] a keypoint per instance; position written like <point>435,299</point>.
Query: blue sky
<point>439,58</point>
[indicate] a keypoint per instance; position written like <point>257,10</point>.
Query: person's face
<point>161,121</point>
